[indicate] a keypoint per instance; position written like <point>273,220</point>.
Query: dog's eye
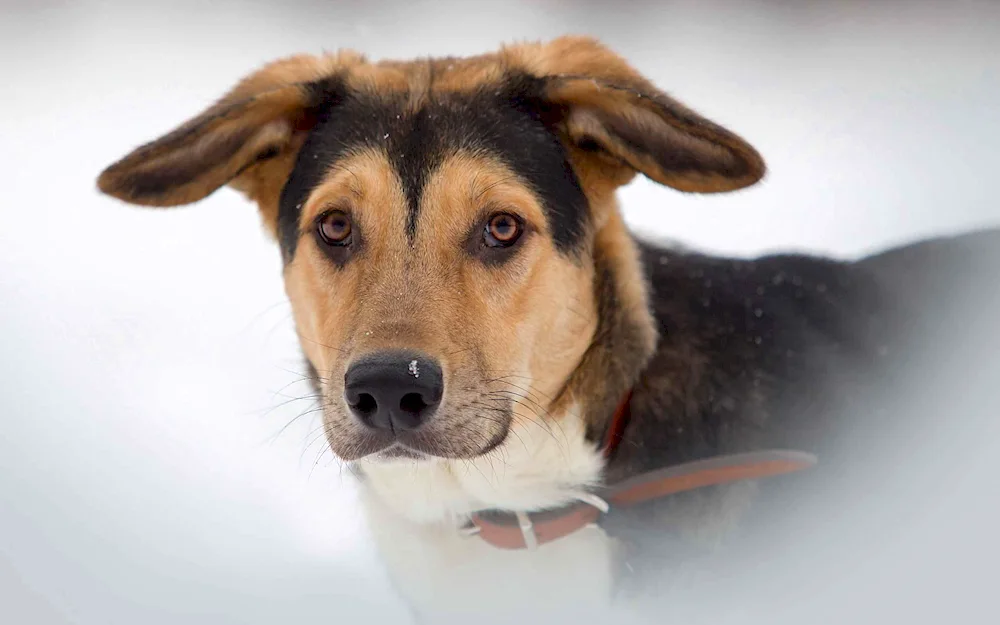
<point>502,230</point>
<point>334,228</point>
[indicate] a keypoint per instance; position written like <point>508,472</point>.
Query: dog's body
<point>473,309</point>
<point>838,358</point>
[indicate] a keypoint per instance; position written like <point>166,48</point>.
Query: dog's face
<point>452,251</point>
<point>424,256</point>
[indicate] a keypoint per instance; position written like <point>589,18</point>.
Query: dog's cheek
<point>320,298</point>
<point>563,319</point>
<point>299,287</point>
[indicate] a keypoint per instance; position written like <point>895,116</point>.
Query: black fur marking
<point>324,96</point>
<point>507,123</point>
<point>873,365</point>
<point>743,346</point>
<point>794,351</point>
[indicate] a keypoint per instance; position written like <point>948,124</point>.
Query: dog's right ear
<point>260,123</point>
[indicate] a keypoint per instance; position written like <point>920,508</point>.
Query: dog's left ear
<point>606,107</point>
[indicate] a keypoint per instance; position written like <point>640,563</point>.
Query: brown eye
<point>503,230</point>
<point>334,228</point>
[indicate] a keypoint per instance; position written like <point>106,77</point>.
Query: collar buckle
<point>527,530</point>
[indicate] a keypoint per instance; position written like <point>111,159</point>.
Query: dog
<point>500,357</point>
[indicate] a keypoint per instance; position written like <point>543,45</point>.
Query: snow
<point>148,356</point>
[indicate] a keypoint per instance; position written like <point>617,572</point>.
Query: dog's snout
<point>393,390</point>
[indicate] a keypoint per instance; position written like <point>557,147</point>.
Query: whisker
<point>538,420</point>
<point>315,342</point>
<point>492,185</point>
<point>270,333</point>
<point>505,424</point>
<point>504,380</point>
<point>294,419</point>
<point>258,316</point>
<point>289,401</point>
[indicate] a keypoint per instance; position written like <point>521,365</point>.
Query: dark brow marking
<point>508,121</point>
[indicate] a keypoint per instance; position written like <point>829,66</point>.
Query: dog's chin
<point>398,453</point>
<point>413,447</point>
<point>432,446</point>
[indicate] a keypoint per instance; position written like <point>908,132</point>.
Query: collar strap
<point>619,420</point>
<point>522,530</point>
<point>506,530</point>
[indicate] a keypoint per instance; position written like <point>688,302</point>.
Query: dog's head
<point>453,254</point>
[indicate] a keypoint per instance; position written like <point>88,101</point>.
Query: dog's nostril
<point>366,404</point>
<point>393,390</point>
<point>412,403</point>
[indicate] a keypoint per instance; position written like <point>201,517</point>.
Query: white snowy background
<point>147,362</point>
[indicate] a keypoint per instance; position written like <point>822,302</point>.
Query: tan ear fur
<point>609,105</point>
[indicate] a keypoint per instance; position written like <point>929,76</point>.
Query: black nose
<point>393,390</point>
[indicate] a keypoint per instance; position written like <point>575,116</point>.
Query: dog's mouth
<point>397,451</point>
<point>464,435</point>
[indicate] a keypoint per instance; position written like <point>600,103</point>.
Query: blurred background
<point>148,368</point>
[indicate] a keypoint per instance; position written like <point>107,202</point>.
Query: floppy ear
<point>606,107</point>
<point>264,118</point>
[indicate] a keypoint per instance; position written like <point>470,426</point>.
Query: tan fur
<point>380,301</point>
<point>611,366</point>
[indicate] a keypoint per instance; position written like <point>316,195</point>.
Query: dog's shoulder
<point>785,348</point>
<point>742,343</point>
<point>859,361</point>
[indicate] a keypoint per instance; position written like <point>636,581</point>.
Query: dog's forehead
<point>415,122</point>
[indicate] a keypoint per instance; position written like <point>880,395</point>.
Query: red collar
<point>619,421</point>
<point>520,530</point>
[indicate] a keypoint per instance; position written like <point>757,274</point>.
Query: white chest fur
<point>415,512</point>
<point>449,578</point>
